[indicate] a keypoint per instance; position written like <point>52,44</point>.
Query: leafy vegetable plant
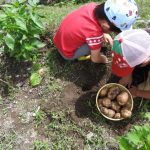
<point>20,27</point>
<point>36,77</point>
<point>137,139</point>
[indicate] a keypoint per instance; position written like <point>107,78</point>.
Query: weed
<point>95,142</point>
<point>7,141</point>
<point>56,67</point>
<point>5,110</point>
<point>64,133</point>
<point>40,145</point>
<point>58,129</point>
<point>54,85</point>
<point>39,116</point>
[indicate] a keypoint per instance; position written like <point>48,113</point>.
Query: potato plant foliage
<point>20,27</point>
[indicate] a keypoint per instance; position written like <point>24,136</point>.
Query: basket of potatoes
<point>114,102</point>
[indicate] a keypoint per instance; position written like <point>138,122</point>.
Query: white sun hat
<point>122,13</point>
<point>130,48</point>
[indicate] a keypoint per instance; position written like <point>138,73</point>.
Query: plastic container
<point>122,88</point>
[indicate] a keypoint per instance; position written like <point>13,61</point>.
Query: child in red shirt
<point>83,31</point>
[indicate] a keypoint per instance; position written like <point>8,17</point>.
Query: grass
<point>144,7</point>
<point>7,141</point>
<point>54,85</point>
<point>39,116</point>
<point>40,145</point>
<point>144,14</point>
<point>65,134</point>
<point>54,14</point>
<point>54,66</point>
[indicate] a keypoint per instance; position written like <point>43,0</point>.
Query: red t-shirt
<point>77,28</point>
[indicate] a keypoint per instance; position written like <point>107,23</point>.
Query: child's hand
<point>97,57</point>
<point>103,59</point>
<point>126,81</point>
<point>108,39</point>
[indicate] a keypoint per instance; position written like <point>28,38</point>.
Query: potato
<point>103,92</point>
<point>115,106</point>
<point>111,113</point>
<point>100,100</point>
<point>125,113</point>
<point>122,98</point>
<point>106,102</point>
<point>117,116</point>
<point>41,71</point>
<point>128,105</point>
<point>100,105</point>
<point>113,92</point>
<point>104,110</point>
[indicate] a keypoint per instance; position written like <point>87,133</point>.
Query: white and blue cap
<point>122,13</point>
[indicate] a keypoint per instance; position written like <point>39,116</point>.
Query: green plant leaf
<point>3,17</point>
<point>124,144</point>
<point>1,50</point>
<point>21,23</point>
<point>148,139</point>
<point>28,46</point>
<point>33,2</point>
<point>137,138</point>
<point>134,138</point>
<point>36,36</point>
<point>38,44</point>
<point>7,5</point>
<point>147,115</point>
<point>10,42</point>
<point>36,21</point>
<point>35,79</point>
<point>36,67</point>
<point>21,1</point>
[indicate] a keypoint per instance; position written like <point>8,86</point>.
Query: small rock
<point>28,69</point>
<point>41,71</point>
<point>30,91</point>
<point>17,75</point>
<point>89,135</point>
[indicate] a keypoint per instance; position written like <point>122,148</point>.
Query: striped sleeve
<point>95,42</point>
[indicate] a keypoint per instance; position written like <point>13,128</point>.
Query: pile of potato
<point>115,103</point>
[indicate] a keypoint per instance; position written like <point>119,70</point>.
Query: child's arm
<point>139,93</point>
<point>126,81</point>
<point>96,57</point>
